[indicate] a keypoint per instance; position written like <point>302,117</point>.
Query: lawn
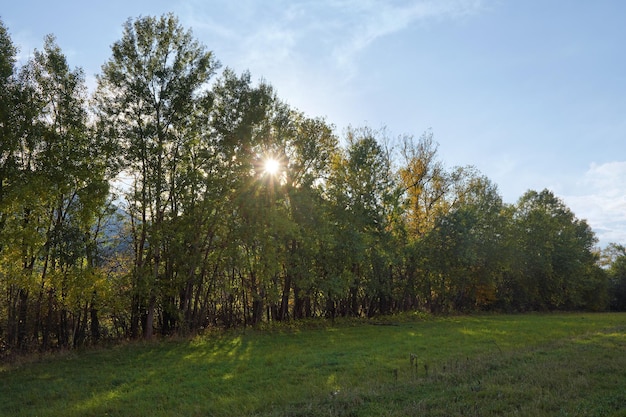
<point>492,365</point>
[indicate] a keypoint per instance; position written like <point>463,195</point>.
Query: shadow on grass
<point>476,366</point>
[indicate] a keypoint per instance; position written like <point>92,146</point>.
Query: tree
<point>616,262</point>
<point>9,145</point>
<point>304,148</point>
<point>146,96</point>
<point>426,187</point>
<point>460,257</point>
<point>363,195</point>
<point>426,184</point>
<point>451,220</point>
<point>54,186</point>
<point>556,262</point>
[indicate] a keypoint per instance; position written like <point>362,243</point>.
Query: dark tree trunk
<point>94,321</point>
<point>94,324</point>
<point>22,311</point>
<point>135,316</point>
<point>63,335</point>
<point>49,321</point>
<point>148,329</point>
<point>298,303</point>
<point>12,316</point>
<point>257,310</point>
<point>284,302</point>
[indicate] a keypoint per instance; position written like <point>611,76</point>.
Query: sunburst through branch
<point>271,166</point>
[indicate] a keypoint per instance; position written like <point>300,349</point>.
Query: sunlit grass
<point>559,364</point>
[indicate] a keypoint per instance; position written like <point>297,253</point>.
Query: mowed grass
<point>494,365</point>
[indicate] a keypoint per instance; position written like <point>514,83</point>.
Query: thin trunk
<point>148,329</point>
<point>21,319</point>
<point>12,315</point>
<point>135,315</point>
<point>298,303</point>
<point>62,336</point>
<point>48,323</point>
<point>283,313</point>
<point>94,324</point>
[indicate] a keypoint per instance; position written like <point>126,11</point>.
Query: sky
<point>530,92</point>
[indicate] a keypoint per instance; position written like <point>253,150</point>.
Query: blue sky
<point>532,92</point>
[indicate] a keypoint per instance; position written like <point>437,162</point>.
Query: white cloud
<point>610,177</point>
<point>600,198</point>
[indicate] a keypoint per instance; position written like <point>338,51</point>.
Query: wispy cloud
<point>311,51</point>
<point>378,18</point>
<point>279,32</point>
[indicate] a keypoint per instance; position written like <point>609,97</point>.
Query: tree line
<point>145,207</point>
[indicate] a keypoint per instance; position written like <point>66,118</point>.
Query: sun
<point>271,166</point>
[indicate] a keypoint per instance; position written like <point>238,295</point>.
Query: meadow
<point>487,365</point>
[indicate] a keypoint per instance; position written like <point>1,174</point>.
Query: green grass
<point>524,365</point>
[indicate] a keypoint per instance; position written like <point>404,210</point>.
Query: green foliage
<point>556,261</point>
<point>53,185</point>
<point>146,99</point>
<point>201,236</point>
<point>617,276</point>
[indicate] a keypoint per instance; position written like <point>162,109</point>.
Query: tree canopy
<point>202,234</point>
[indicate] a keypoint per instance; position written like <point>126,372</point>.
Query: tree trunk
<point>21,319</point>
<point>148,329</point>
<point>94,325</point>
<point>257,310</point>
<point>48,323</point>
<point>284,302</point>
<point>94,322</point>
<point>135,316</point>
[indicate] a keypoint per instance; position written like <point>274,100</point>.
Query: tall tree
<point>615,255</point>
<point>56,188</point>
<point>146,95</point>
<point>438,218</point>
<point>363,192</point>
<point>464,256</point>
<point>9,147</point>
<point>556,261</point>
<point>303,148</point>
<point>75,168</point>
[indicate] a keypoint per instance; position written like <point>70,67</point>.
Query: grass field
<point>495,365</point>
